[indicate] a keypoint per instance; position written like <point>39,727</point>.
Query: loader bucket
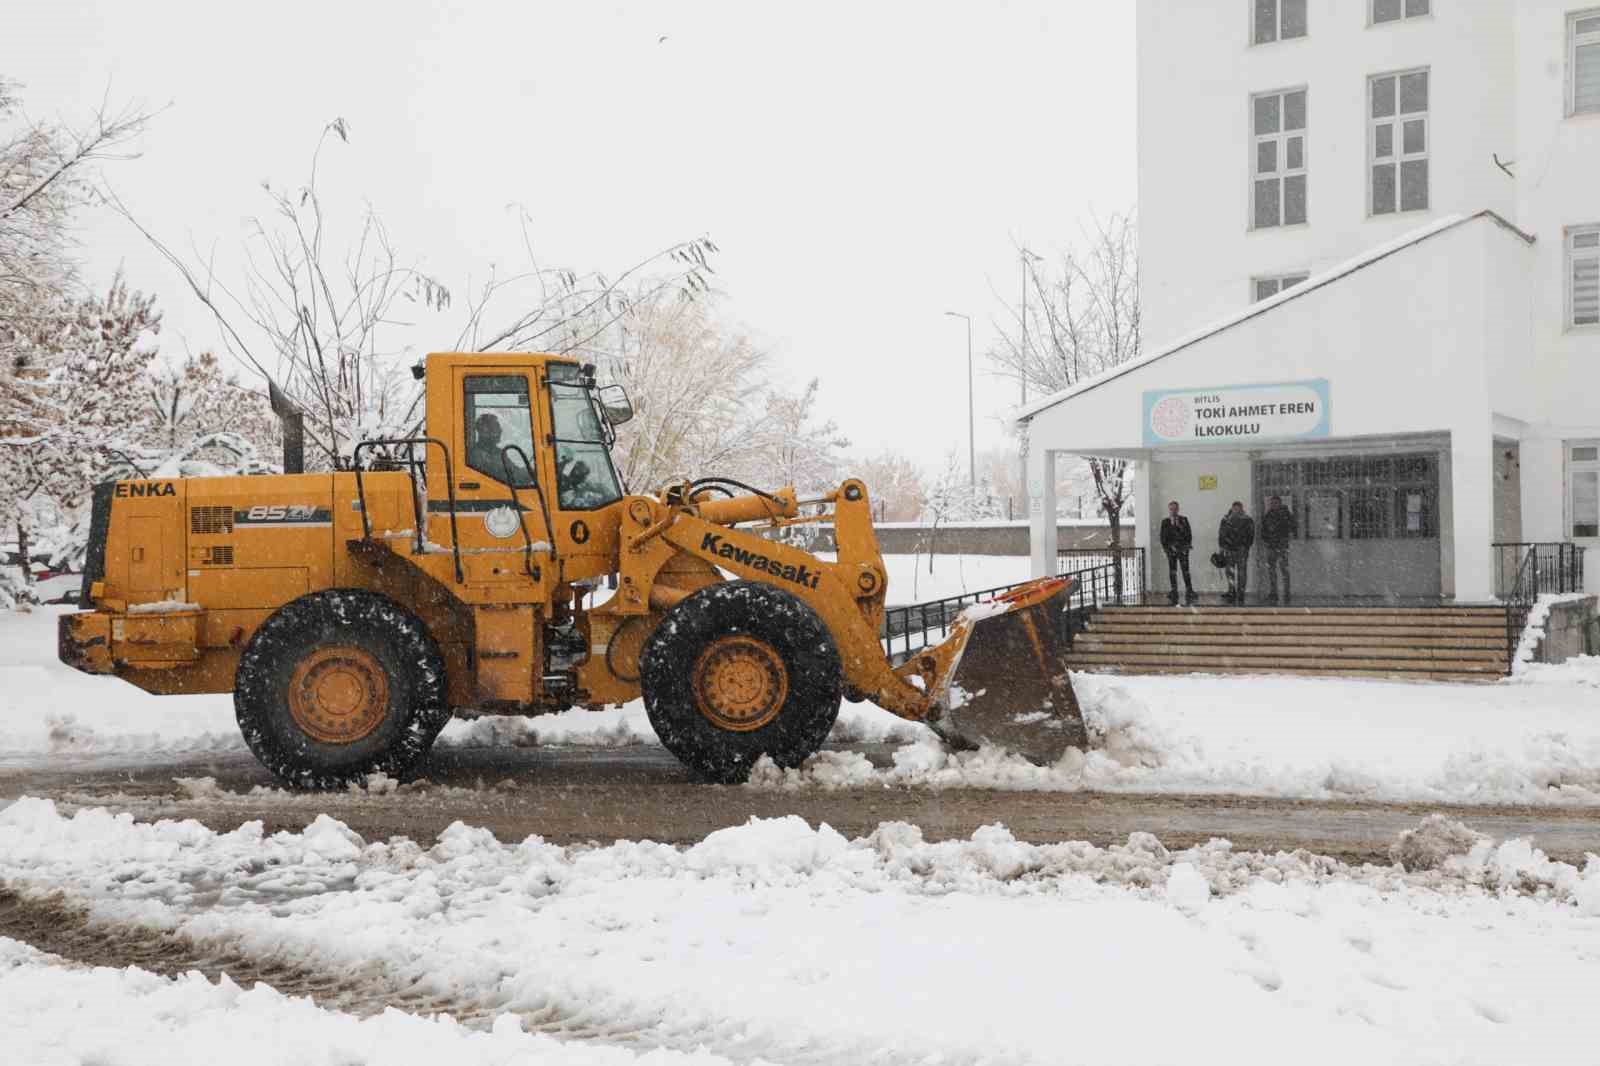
<point>1005,680</point>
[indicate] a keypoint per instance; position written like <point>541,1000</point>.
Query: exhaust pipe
<point>294,428</point>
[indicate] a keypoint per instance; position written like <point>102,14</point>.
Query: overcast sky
<point>864,166</point>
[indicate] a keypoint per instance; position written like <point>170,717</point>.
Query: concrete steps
<point>1405,643</point>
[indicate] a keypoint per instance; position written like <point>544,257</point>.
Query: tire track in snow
<point>57,926</point>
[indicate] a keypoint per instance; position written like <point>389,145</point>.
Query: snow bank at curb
<point>180,861</point>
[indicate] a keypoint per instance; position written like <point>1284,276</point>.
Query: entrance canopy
<point>1400,361</point>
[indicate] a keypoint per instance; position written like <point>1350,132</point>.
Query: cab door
<point>498,503</point>
<point>585,503</point>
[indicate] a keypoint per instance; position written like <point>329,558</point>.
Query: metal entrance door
<point>1364,525</point>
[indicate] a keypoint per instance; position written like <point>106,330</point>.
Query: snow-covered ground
<point>910,580</point>
<point>785,941</point>
<point>54,1014</point>
<point>1531,739</point>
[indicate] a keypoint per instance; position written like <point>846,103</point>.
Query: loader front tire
<point>338,685</point>
<point>737,671</point>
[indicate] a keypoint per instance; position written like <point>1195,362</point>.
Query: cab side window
<point>497,416</point>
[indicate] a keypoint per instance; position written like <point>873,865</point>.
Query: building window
<point>1583,63</point>
<point>1278,20</point>
<point>1266,288</point>
<point>1584,478</point>
<point>1357,497</point>
<point>1278,159</point>
<point>1398,142</point>
<point>1583,276</point>
<point>1395,10</point>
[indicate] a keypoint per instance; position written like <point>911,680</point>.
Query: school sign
<point>1237,414</point>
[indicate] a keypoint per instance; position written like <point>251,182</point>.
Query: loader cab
<point>529,461</point>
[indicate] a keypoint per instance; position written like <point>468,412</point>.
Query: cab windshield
<point>585,478</point>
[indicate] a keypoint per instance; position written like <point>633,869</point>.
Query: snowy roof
<point>1305,288</point>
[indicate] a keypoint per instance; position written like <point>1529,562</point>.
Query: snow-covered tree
<point>793,445</point>
<point>48,168</point>
<point>952,497</point>
<point>896,485</point>
<point>204,421</point>
<point>1080,319</point>
<point>77,409</point>
<point>696,388</point>
<point>46,171</point>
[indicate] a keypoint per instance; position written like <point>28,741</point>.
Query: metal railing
<point>1526,571</point>
<point>1549,567</point>
<point>1128,574</point>
<point>910,628</point>
<point>1098,586</point>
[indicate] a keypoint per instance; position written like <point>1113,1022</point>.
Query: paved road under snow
<point>570,795</point>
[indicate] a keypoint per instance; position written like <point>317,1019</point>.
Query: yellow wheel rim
<point>740,683</point>
<point>338,695</point>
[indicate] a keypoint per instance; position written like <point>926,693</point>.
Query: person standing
<point>1235,536</point>
<point>1277,530</point>
<point>1177,539</point>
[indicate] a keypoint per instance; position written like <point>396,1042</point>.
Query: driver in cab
<point>484,455</point>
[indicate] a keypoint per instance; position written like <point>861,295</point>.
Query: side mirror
<point>616,405</point>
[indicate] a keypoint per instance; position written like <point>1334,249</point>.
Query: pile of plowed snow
<point>1535,740</point>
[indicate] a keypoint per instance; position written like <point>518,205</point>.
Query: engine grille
<point>211,519</point>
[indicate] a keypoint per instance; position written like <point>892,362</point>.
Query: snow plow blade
<point>1006,681</point>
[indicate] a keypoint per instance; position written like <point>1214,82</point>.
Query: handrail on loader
<point>544,505</point>
<point>416,497</point>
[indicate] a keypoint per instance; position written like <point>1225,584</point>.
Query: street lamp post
<point>1022,362</point>
<point>972,446</point>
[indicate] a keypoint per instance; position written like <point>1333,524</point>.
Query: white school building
<point>1370,277</point>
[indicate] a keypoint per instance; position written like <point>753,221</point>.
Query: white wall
<point>1179,479</point>
<point>1401,348</point>
<point>1197,72</point>
<point>1558,185</point>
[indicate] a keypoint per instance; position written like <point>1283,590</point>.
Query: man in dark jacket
<point>1176,540</point>
<point>1277,529</point>
<point>1234,537</point>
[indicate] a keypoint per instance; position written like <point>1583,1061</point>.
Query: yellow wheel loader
<point>495,565</point>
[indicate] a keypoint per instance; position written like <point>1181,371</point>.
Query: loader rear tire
<point>737,671</point>
<point>338,685</point>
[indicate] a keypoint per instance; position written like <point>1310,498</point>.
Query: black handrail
<point>416,497</point>
<point>1090,588</point>
<point>1131,568</point>
<point>1557,566</point>
<point>1542,569</point>
<point>914,618</point>
<point>544,506</point>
